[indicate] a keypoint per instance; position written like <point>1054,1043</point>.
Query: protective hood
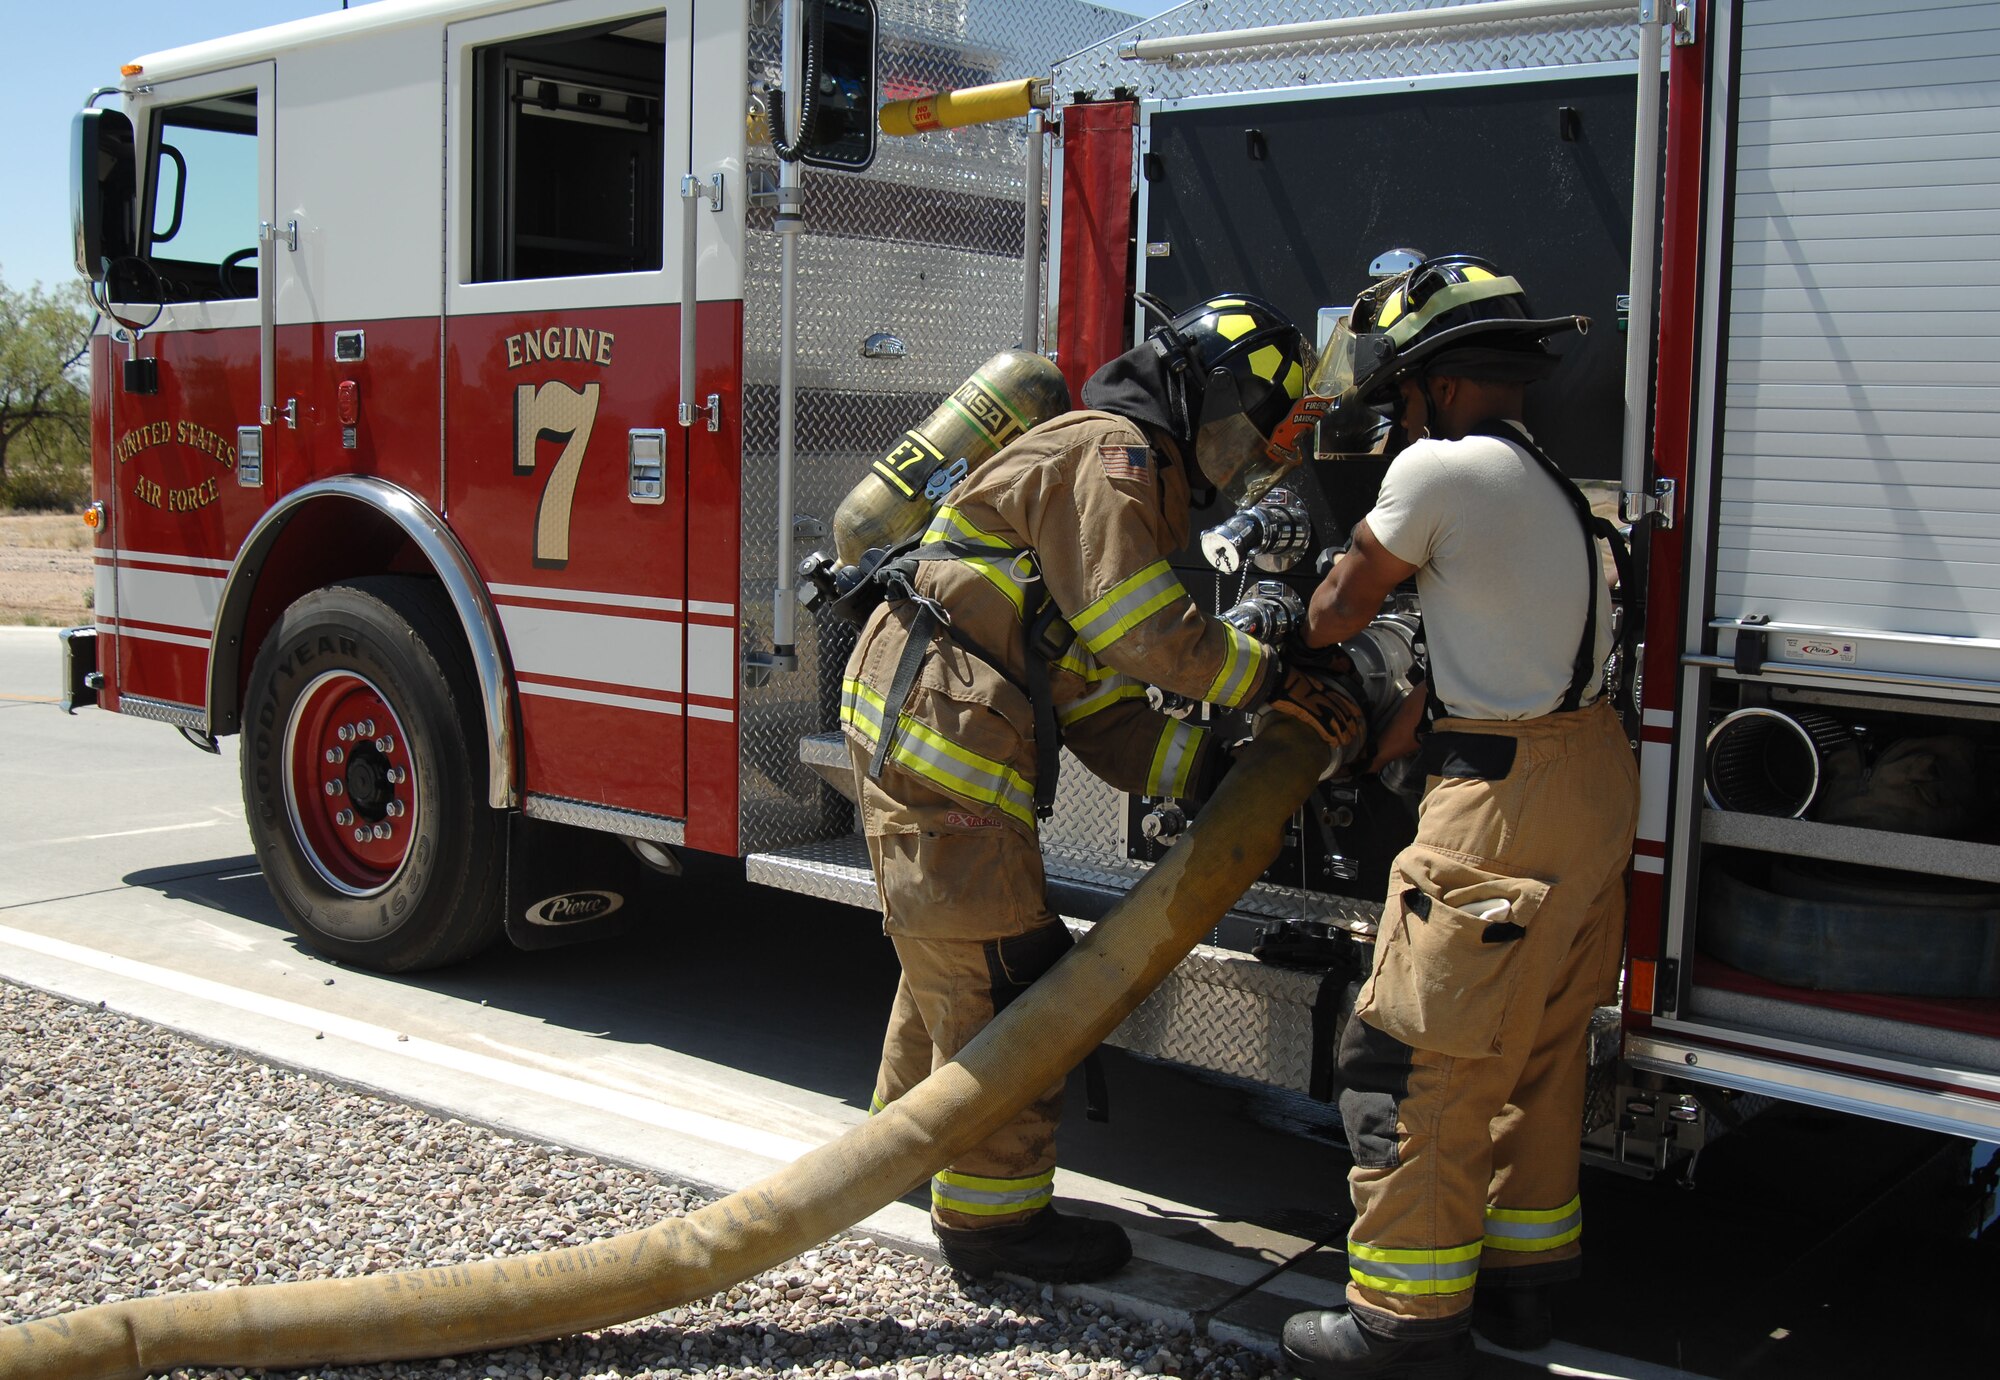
<point>1147,386</point>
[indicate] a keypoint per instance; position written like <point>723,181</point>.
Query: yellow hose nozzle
<point>974,105</point>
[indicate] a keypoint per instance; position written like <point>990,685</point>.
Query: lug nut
<point>397,776</point>
<point>383,831</point>
<point>345,733</point>
<point>360,835</point>
<point>344,818</point>
<point>394,809</point>
<point>385,744</point>
<point>335,756</point>
<point>336,787</point>
<point>366,728</point>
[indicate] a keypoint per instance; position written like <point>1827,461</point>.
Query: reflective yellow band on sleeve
<point>1127,604</point>
<point>1241,666</point>
<point>1114,689</point>
<point>979,1197</point>
<point>1424,1272</point>
<point>1174,758</point>
<point>1010,571</point>
<point>1534,1229</point>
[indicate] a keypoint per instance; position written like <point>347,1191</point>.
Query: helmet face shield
<point>1350,376</point>
<point>1238,446</point>
<point>1236,458</point>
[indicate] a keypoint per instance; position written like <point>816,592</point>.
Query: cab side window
<point>201,199</point>
<point>569,154</point>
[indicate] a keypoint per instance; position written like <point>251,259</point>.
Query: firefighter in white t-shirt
<point>1464,1073</point>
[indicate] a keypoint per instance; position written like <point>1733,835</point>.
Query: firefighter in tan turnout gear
<point>1035,613</point>
<point>1464,1073</point>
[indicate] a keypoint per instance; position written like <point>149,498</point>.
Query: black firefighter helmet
<point>1455,314</point>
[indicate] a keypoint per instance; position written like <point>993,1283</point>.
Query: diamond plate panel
<point>607,819</point>
<point>927,244</point>
<point>189,716</point>
<point>1220,1010</point>
<point>1485,48</point>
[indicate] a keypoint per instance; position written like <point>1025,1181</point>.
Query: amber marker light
<point>1640,988</point>
<point>93,516</point>
<point>131,69</point>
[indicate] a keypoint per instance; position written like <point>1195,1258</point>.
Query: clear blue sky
<point>65,48</point>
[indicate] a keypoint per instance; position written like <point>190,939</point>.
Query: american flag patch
<point>1125,462</point>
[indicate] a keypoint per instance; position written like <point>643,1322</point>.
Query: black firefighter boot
<point>1333,1345</point>
<point>1516,1318</point>
<point>1048,1248</point>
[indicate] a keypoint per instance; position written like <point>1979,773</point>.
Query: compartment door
<point>565,469</point>
<point>180,505</point>
<point>1858,500</point>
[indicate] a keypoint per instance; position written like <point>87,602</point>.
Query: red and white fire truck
<point>475,373</point>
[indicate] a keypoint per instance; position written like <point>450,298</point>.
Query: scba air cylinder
<point>1007,396</point>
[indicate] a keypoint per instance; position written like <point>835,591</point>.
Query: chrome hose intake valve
<point>1270,613</point>
<point>1272,534</point>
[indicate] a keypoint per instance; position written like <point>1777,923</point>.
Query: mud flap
<point>568,885</point>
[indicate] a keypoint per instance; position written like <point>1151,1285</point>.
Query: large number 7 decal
<point>560,413</point>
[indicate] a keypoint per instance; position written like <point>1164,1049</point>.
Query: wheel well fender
<point>335,529</point>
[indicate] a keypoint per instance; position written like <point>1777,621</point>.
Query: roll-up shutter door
<point>1860,441</point>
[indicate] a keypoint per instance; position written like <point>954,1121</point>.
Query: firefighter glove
<point>1326,700</point>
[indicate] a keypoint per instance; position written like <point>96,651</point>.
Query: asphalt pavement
<point>740,1026</point>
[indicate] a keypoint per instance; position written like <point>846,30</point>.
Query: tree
<point>44,408</point>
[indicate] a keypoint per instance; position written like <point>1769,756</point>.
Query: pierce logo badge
<point>575,907</point>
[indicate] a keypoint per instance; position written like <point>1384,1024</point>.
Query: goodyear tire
<point>364,776</point>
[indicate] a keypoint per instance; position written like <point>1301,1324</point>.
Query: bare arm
<point>1350,596</point>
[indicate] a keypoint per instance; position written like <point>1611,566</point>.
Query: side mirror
<point>103,190</point>
<point>838,112</point>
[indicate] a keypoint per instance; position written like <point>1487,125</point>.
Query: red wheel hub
<point>350,783</point>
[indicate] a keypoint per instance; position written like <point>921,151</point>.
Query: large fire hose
<point>491,1304</point>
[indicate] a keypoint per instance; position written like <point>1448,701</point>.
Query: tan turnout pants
<point>1464,1076</point>
<point>963,902</point>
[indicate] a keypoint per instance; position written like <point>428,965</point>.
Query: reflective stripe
<point>1174,758</point>
<point>875,1103</point>
<point>1011,574</point>
<point>1447,1270</point>
<point>1534,1229</point>
<point>1127,604</point>
<point>1113,689</point>
<point>1082,664</point>
<point>1445,299</point>
<point>922,750</point>
<point>1240,669</point>
<point>948,524</point>
<point>992,1197</point>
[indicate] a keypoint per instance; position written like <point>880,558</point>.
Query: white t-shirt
<point>1500,571</point>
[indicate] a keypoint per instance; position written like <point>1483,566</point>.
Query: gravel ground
<point>138,1161</point>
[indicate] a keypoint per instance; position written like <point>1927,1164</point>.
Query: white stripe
<point>704,606</point>
<point>1656,765</point>
<point>178,601</point>
<point>642,652</point>
<point>1657,718</point>
<point>587,596</point>
<point>1642,863</point>
<point>388,1042</point>
<point>128,833</point>
<point>162,558</point>
<point>107,592</point>
<point>704,711</point>
<point>565,692</point>
<point>711,669</point>
<point>148,635</point>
